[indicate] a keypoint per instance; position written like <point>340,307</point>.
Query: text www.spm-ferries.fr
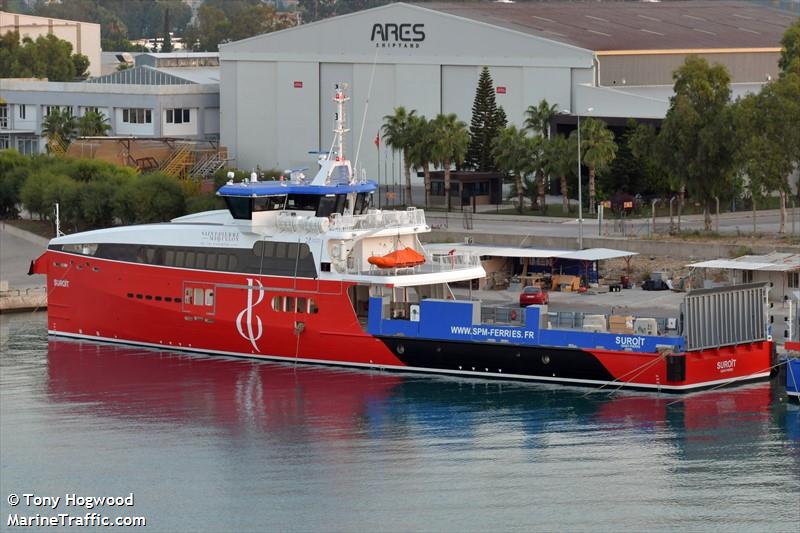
<point>70,520</point>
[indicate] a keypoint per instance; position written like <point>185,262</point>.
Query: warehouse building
<point>164,95</point>
<point>610,60</point>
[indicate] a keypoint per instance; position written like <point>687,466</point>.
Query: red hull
<point>135,303</point>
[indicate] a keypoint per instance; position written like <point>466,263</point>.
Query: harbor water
<point>222,444</point>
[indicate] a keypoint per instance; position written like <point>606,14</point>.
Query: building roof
<point>636,26</point>
<point>774,262</point>
<point>279,188</point>
<point>146,75</point>
<point>590,254</point>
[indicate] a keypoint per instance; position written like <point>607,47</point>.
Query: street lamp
<point>580,180</point>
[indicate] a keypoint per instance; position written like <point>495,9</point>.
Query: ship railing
<point>509,316</point>
<point>375,219</point>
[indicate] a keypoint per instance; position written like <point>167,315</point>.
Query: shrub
<point>97,204</point>
<point>12,176</point>
<point>66,192</point>
<point>203,202</point>
<point>159,198</point>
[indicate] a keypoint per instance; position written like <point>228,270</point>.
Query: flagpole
<point>378,148</point>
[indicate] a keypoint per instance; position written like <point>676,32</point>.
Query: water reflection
<point>244,396</point>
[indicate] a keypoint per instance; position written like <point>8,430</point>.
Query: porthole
<point>545,359</point>
<point>400,349</point>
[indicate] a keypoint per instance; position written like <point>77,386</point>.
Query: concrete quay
<point>18,291</point>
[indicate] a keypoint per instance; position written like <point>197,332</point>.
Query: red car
<point>533,296</point>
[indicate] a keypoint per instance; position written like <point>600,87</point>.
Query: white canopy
<point>775,262</point>
<point>590,254</point>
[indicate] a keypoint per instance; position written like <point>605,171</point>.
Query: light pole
<point>580,181</point>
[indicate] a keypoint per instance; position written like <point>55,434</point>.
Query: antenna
<point>366,108</point>
<point>340,130</point>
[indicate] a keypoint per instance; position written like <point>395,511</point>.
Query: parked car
<point>533,296</point>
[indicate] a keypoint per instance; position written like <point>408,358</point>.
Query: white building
<point>84,36</point>
<point>780,270</point>
<point>157,98</point>
<point>614,58</point>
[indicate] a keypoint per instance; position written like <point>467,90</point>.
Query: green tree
<point>159,198</point>
<point>561,155</point>
<point>12,165</point>
<point>93,124</point>
<point>421,151</point>
<point>97,203</point>
<point>46,57</point>
<point>59,126</point>
<point>696,138</point>
<point>166,45</point>
<point>313,10</point>
<point>512,152</point>
<point>538,119</point>
<point>33,191</point>
<point>221,22</point>
<point>65,192</point>
<point>764,122</point>
<point>790,46</point>
<point>398,134</point>
<point>483,127</point>
<point>598,150</point>
<point>450,148</point>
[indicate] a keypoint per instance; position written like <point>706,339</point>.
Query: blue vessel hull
<point>793,379</point>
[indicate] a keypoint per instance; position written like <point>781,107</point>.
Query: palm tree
<point>598,150</point>
<point>421,151</point>
<point>59,128</point>
<point>512,154</point>
<point>397,134</point>
<point>561,155</point>
<point>538,119</point>
<point>450,145</point>
<point>93,124</point>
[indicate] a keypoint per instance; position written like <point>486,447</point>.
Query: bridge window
<point>241,207</point>
<point>269,203</point>
<point>303,202</point>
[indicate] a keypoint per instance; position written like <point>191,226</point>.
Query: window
<point>794,280</point>
<point>5,142</point>
<point>303,202</point>
<point>50,108</point>
<point>276,303</point>
<point>288,304</point>
<point>269,203</point>
<point>23,111</point>
<point>747,276</point>
<point>91,109</point>
<point>27,145</point>
<point>3,115</point>
<point>302,304</point>
<point>198,296</point>
<point>209,300</point>
<point>137,116</point>
<point>312,307</point>
<point>178,116</point>
<point>240,207</point>
<point>187,295</point>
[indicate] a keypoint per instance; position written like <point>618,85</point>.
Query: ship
<point>792,362</point>
<point>306,270</point>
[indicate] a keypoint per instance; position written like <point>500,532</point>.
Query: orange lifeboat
<point>405,258</point>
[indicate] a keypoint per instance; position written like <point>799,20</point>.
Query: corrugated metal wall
<point>725,316</point>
